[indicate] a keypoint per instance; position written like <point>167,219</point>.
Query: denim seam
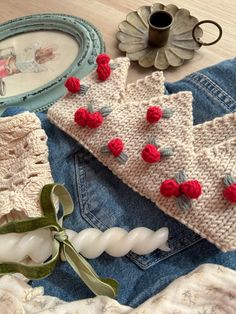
<point>81,185</point>
<point>207,79</point>
<point>92,220</point>
<point>82,192</point>
<point>200,80</point>
<point>156,261</point>
<point>144,265</point>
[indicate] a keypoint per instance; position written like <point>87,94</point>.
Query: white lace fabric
<point>209,289</point>
<point>24,166</point>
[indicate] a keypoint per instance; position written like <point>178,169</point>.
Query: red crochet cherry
<point>230,193</point>
<point>81,116</point>
<point>94,120</point>
<point>170,188</point>
<point>103,59</point>
<point>151,154</point>
<point>154,114</point>
<point>73,84</point>
<point>191,188</point>
<point>103,71</point>
<point>116,146</point>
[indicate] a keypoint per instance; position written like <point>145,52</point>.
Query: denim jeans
<point>103,201</point>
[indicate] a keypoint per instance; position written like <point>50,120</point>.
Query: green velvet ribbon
<point>61,244</point>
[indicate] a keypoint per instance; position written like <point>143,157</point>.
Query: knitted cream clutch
<point>150,143</point>
<point>24,166</point>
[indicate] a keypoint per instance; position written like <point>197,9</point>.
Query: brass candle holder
<point>161,36</point>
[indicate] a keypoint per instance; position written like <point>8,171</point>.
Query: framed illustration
<point>38,53</point>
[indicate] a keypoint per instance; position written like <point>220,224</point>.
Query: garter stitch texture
<point>197,152</point>
<point>24,166</point>
<point>102,93</point>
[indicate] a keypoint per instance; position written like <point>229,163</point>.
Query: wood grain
<point>107,14</point>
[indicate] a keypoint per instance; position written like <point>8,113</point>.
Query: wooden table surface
<point>107,14</point>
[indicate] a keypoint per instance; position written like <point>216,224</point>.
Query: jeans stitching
<point>143,262</point>
<point>156,260</point>
<point>196,78</point>
<point>82,192</point>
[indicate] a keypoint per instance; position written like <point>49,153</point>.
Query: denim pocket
<point>105,202</point>
<point>213,89</point>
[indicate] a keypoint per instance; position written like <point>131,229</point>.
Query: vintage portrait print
<point>31,60</point>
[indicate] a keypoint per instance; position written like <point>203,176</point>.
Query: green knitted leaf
<point>90,107</point>
<point>153,142</point>
<point>181,177</point>
<point>167,113</point>
<point>113,66</point>
<point>83,89</point>
<point>228,180</point>
<point>105,111</point>
<point>183,203</point>
<point>166,152</point>
<point>105,150</point>
<point>122,158</point>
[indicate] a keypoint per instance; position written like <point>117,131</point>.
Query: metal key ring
<point>200,42</point>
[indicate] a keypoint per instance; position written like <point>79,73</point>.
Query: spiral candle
<point>15,247</point>
<point>117,242</point>
<point>91,243</point>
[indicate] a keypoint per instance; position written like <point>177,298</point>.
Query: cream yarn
<point>201,155</point>
<point>24,166</point>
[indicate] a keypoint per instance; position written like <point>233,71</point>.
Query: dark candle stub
<point>159,27</point>
<point>160,19</point>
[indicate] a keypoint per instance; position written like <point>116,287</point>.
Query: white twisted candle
<point>117,242</point>
<point>15,247</point>
<point>89,242</point>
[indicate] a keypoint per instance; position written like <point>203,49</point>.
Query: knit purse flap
<point>153,147</point>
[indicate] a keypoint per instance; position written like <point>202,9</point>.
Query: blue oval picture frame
<point>90,44</point>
